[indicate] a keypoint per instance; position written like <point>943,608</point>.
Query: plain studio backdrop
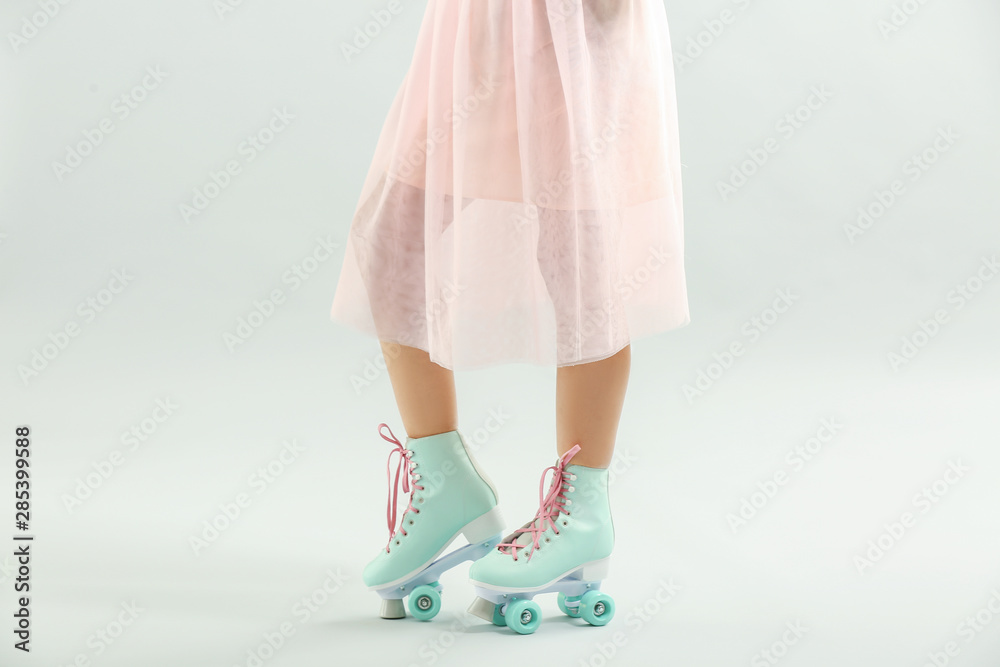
<point>805,475</point>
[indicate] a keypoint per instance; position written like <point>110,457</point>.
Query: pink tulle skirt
<point>524,200</point>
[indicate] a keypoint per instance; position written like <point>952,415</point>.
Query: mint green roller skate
<point>564,549</point>
<point>449,496</point>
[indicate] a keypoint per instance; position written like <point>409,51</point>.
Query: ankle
<point>427,434</point>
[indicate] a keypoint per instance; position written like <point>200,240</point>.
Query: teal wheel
<point>425,602</point>
<point>597,608</point>
<point>523,616</point>
<point>498,618</point>
<point>569,611</point>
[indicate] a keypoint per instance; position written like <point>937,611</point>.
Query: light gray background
<point>683,465</point>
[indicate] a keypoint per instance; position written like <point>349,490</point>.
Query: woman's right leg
<point>424,390</point>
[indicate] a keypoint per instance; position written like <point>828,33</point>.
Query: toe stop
<point>392,609</point>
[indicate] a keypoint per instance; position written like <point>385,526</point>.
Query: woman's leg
<point>425,391</point>
<point>589,400</point>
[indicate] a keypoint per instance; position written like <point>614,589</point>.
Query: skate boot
<point>449,496</point>
<point>564,549</point>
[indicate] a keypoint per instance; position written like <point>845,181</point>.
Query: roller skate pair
<point>564,549</point>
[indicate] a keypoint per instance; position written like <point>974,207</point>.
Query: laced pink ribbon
<point>404,456</point>
<point>549,507</point>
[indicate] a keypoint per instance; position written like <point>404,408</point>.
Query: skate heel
<point>485,527</point>
<point>595,570</point>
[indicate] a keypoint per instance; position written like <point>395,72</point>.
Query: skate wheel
<point>574,612</point>
<point>498,618</point>
<point>597,608</point>
<point>523,616</point>
<point>425,602</point>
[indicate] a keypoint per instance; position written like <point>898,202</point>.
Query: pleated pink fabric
<point>524,200</point>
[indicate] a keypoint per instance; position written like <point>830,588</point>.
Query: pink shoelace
<point>550,506</point>
<point>408,485</point>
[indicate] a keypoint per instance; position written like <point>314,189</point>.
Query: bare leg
<point>425,391</point>
<point>589,400</point>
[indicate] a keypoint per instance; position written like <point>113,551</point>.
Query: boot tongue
<point>525,537</point>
